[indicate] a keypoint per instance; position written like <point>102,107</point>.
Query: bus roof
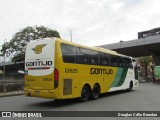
<point>109,51</point>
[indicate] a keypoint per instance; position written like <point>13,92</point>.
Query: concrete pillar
<point>156,58</point>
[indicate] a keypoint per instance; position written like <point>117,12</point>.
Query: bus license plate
<point>37,91</point>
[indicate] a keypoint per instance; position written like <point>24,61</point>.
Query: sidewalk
<point>13,93</point>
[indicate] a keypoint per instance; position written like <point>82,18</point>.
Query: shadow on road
<point>157,82</point>
<point>55,103</point>
<point>69,102</point>
<point>115,93</point>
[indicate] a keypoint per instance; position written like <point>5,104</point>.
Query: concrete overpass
<point>138,47</point>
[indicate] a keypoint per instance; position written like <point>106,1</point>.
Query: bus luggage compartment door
<point>67,86</point>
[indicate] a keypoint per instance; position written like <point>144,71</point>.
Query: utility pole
<point>70,34</point>
<point>4,66</point>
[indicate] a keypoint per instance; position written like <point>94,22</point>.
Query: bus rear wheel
<point>95,92</point>
<point>85,93</point>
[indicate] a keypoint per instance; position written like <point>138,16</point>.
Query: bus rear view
<point>40,73</point>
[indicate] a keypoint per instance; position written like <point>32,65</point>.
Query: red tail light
<point>56,77</point>
<point>56,74</point>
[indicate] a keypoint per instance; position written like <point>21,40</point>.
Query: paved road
<point>144,98</point>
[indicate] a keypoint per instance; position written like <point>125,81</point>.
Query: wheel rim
<point>85,93</point>
<point>96,91</point>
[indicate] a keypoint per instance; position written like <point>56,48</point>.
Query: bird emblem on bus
<point>38,48</point>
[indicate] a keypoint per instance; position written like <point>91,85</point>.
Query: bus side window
<point>104,59</point>
<point>82,56</point>
<point>68,53</point>
<point>130,64</point>
<point>93,57</point>
<point>121,62</point>
<point>114,61</point>
<point>127,62</point>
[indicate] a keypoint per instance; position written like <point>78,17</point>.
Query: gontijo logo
<point>38,48</point>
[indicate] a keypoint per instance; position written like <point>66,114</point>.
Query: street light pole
<point>4,66</point>
<point>70,34</point>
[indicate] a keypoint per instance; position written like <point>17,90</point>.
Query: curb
<point>8,94</point>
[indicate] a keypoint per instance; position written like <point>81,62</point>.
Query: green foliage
<point>17,44</point>
<point>5,47</point>
<point>146,60</point>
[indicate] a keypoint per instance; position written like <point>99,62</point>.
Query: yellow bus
<point>59,69</point>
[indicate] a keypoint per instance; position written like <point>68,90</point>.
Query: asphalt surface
<point>144,98</point>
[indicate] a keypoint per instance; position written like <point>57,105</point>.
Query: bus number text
<point>69,70</point>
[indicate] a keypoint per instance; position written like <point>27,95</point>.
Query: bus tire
<point>130,86</point>
<point>85,93</point>
<point>95,92</point>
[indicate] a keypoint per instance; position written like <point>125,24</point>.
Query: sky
<point>92,22</point>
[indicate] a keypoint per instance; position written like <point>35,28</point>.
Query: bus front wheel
<point>130,86</point>
<point>85,93</point>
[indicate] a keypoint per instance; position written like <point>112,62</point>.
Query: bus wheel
<point>85,93</point>
<point>95,92</point>
<point>130,86</point>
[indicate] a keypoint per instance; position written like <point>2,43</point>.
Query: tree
<point>17,44</point>
<point>146,60</point>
